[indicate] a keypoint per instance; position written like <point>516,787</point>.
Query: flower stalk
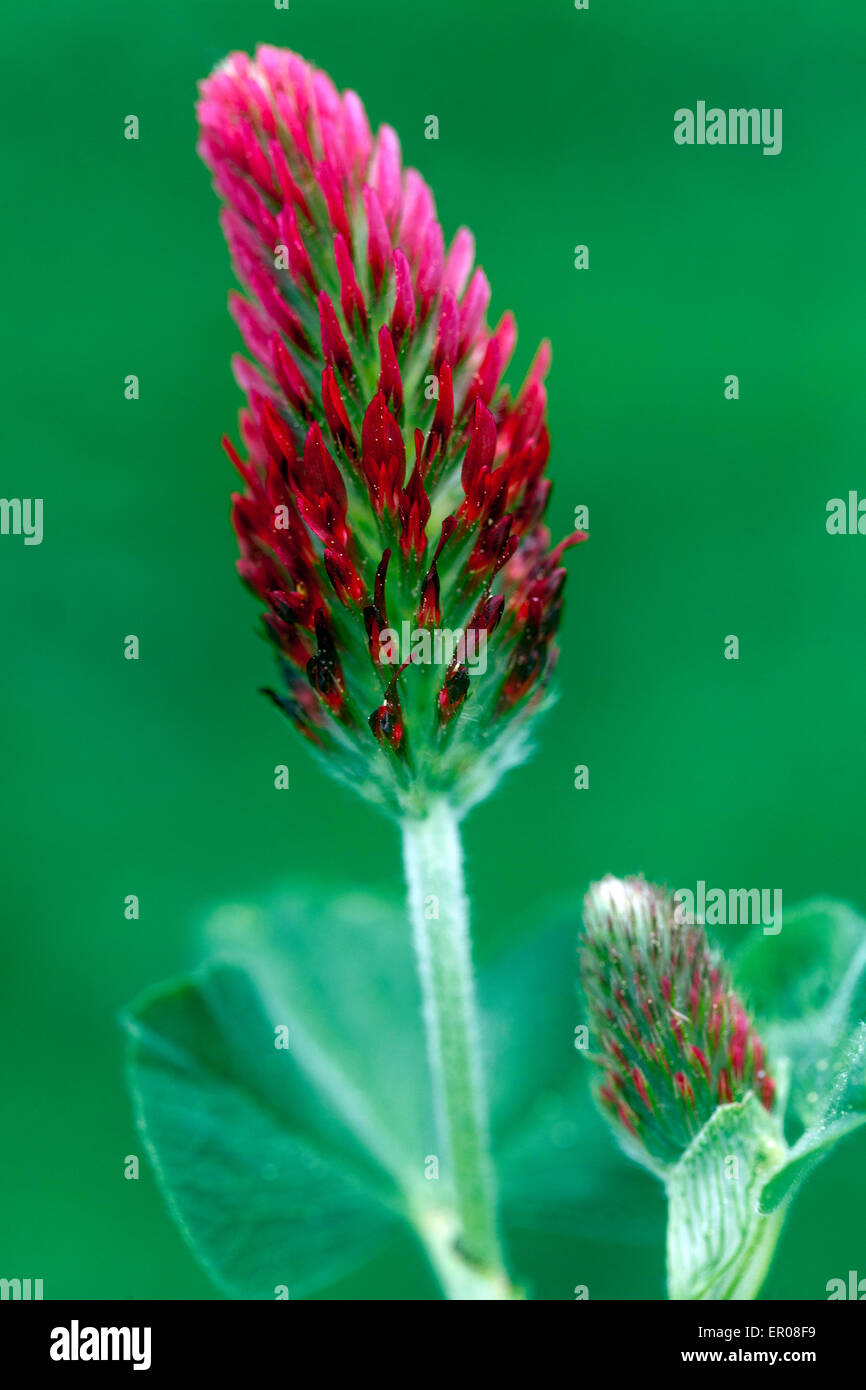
<point>439,913</point>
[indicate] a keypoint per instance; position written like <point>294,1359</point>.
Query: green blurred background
<point>707,518</point>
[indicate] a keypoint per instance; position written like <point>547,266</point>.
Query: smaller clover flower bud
<point>672,1040</point>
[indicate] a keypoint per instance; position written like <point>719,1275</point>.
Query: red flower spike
<point>672,1039</point>
<point>366,305</point>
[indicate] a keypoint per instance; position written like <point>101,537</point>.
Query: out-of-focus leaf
<point>809,982</point>
<point>265,1198</point>
<point>809,985</point>
<point>844,1111</point>
<point>812,1146</point>
<point>529,1014</point>
<point>798,970</point>
<point>339,970</point>
<point>558,1168</point>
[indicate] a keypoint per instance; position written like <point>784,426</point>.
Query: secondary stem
<point>439,911</point>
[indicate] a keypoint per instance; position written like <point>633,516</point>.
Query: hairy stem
<point>439,912</point>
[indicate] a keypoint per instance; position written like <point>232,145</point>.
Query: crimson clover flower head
<point>673,1042</point>
<point>391,513</point>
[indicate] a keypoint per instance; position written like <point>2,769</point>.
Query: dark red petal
<point>403,317</point>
